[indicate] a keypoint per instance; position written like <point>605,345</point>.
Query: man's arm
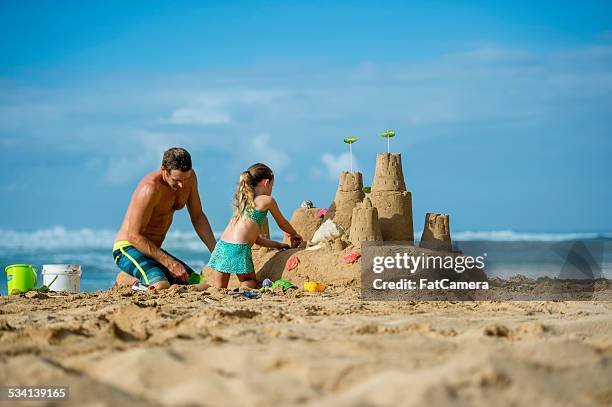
<point>198,218</point>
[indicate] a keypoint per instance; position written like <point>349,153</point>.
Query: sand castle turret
<point>305,221</point>
<point>436,232</point>
<point>349,194</point>
<point>364,225</point>
<point>390,197</point>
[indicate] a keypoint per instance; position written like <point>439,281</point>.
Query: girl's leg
<point>247,280</point>
<point>218,279</point>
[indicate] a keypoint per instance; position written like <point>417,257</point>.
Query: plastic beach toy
<point>282,283</point>
<point>68,277</point>
<point>351,257</point>
<point>266,283</point>
<point>21,277</point>
<point>195,278</point>
<point>140,286</point>
<point>292,263</point>
<point>314,287</point>
<point>322,212</point>
<point>247,294</point>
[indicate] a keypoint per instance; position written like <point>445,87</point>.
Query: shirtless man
<point>137,249</point>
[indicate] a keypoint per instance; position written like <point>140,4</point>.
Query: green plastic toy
<point>195,278</point>
<point>282,283</point>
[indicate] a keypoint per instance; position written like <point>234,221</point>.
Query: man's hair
<point>176,158</point>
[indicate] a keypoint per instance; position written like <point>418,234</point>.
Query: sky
<point>501,109</point>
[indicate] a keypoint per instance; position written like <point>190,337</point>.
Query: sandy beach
<point>183,347</point>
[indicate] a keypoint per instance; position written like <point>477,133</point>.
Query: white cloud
<point>214,107</point>
<point>262,149</point>
<point>200,115</point>
<point>334,165</point>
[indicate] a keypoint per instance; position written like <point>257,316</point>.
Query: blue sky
<point>502,110</point>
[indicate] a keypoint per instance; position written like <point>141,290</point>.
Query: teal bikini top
<point>257,215</point>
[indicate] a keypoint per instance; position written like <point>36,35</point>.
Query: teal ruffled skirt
<point>235,258</point>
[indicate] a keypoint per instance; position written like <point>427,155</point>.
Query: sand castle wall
<point>349,194</point>
<point>364,225</point>
<point>265,232</point>
<point>391,199</point>
<point>436,232</point>
<point>305,221</point>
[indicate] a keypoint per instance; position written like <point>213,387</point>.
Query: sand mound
<point>324,265</point>
<point>305,221</point>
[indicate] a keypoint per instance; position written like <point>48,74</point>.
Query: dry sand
<point>183,347</point>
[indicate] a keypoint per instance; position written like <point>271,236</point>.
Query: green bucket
<point>20,277</point>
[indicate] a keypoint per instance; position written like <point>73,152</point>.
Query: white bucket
<point>68,277</point>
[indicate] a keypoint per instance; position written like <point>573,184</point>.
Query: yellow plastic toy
<point>314,287</point>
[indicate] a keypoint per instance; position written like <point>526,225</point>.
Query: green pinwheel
<point>350,141</point>
<point>387,134</point>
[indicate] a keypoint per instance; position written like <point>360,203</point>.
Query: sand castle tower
<point>349,194</point>
<point>390,197</point>
<point>305,221</point>
<point>436,232</point>
<point>364,225</point>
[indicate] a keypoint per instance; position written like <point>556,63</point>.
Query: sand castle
<point>305,221</point>
<point>436,232</point>
<point>365,225</point>
<point>349,194</point>
<point>390,197</point>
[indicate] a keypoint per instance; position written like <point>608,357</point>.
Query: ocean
<point>92,250</point>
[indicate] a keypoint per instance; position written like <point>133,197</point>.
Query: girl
<point>252,201</point>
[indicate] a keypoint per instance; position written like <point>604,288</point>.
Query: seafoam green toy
<point>282,283</point>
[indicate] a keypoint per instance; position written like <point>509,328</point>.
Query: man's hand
<point>178,271</point>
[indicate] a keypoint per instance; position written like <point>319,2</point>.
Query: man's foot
<point>125,280</point>
<point>161,285</point>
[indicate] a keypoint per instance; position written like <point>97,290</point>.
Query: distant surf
<point>59,237</point>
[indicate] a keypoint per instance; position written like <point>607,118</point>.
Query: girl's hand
<point>282,246</point>
<point>296,240</point>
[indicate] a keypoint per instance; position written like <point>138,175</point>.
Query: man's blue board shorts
<point>148,270</point>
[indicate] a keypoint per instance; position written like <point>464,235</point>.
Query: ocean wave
<point>61,238</point>
<point>511,236</point>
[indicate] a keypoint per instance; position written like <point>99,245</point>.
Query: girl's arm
<point>282,223</point>
<point>262,241</point>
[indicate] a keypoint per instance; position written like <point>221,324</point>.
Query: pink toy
<point>322,213</point>
<point>292,263</point>
<point>351,257</point>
